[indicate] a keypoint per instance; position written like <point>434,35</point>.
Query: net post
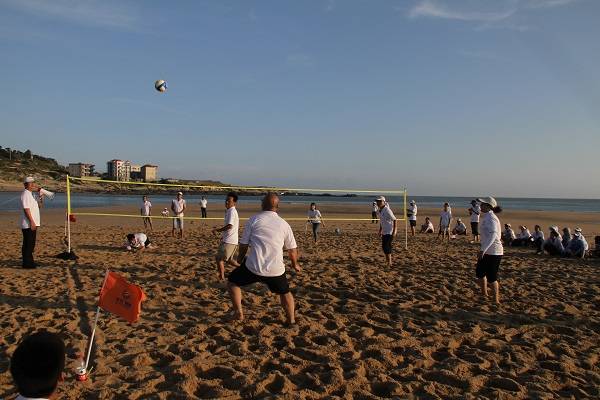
<point>68,214</point>
<point>405,222</point>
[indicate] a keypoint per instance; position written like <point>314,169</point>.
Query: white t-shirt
<point>475,212</point>
<point>139,241</point>
<point>386,220</point>
<point>538,235</point>
<point>445,218</point>
<point>204,203</point>
<point>178,205</point>
<point>489,232</point>
<point>375,208</point>
<point>460,227</point>
<point>165,213</point>
<point>314,216</point>
<point>430,226</point>
<point>525,234</point>
<point>146,206</point>
<point>413,210</point>
<point>268,235</point>
<point>28,201</point>
<point>231,235</point>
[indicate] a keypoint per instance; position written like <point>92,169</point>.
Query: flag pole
<point>68,214</point>
<point>87,360</point>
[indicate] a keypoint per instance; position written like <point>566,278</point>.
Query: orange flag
<point>121,297</point>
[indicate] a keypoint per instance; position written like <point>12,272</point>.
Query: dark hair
<point>497,210</point>
<point>37,364</point>
<point>313,204</point>
<point>233,195</point>
<point>130,236</point>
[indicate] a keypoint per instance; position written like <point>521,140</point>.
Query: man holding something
<point>387,228</point>
<point>30,221</point>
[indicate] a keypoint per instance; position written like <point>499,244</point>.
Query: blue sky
<point>444,97</point>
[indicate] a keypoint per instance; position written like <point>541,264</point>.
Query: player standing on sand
<point>387,228</point>
<point>146,211</point>
<point>265,237</point>
<point>178,207</point>
<point>229,239</point>
<point>490,255</point>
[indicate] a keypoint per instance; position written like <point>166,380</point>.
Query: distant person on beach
<point>137,242</point>
<point>412,216</point>
<point>577,246</point>
<point>387,228</point>
<point>30,221</point>
<point>460,228</point>
<point>165,212</point>
<point>566,236</point>
<point>374,210</point>
<point>490,255</point>
<point>146,211</point>
<point>266,235</point>
<point>474,213</point>
<point>538,239</point>
<point>445,220</point>
<point>178,207</point>
<point>315,219</point>
<point>229,237</point>
<point>553,245</point>
<point>508,235</point>
<point>427,227</point>
<point>203,205</point>
<point>523,238</point>
<point>37,366</point>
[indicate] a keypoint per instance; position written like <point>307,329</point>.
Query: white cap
<point>488,200</point>
<point>554,228</point>
<point>380,198</point>
<point>179,193</point>
<point>578,230</point>
<point>29,179</point>
<point>412,202</point>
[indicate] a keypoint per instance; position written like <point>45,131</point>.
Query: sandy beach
<point>364,330</point>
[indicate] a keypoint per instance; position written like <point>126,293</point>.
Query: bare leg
<point>221,269</point>
<point>483,285</point>
<point>287,302</point>
<point>236,300</point>
<point>388,259</point>
<point>150,222</point>
<point>412,230</point>
<point>173,232</point>
<point>181,233</point>
<point>496,289</point>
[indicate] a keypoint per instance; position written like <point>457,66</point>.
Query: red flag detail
<point>121,297</point>
<point>72,218</point>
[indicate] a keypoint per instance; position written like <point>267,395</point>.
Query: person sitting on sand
<point>566,236</point>
<point>577,246</point>
<point>427,227</point>
<point>37,366</point>
<point>490,255</point>
<point>315,219</point>
<point>137,241</point>
<point>508,235</point>
<point>445,220</point>
<point>411,212</point>
<point>553,245</point>
<point>229,237</point>
<point>165,212</point>
<point>523,238</point>
<point>265,237</point>
<point>537,239</point>
<point>460,228</point>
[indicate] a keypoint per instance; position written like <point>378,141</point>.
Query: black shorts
<point>242,276</point>
<point>413,222</point>
<point>475,228</point>
<point>147,242</point>
<point>488,266</point>
<point>386,243</point>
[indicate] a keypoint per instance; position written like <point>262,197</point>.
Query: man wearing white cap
<point>30,221</point>
<point>178,207</point>
<point>577,246</point>
<point>553,245</point>
<point>412,216</point>
<point>490,255</point>
<point>387,228</point>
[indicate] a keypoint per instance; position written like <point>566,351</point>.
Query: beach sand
<point>364,330</point>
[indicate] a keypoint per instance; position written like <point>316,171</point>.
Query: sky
<point>444,97</point>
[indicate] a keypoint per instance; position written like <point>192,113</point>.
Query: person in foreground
<point>490,255</point>
<point>137,242</point>
<point>387,228</point>
<point>265,237</point>
<point>229,238</point>
<point>37,366</point>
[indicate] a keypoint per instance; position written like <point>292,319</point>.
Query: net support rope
<point>70,212</point>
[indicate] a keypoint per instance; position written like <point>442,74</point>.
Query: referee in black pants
<point>30,221</point>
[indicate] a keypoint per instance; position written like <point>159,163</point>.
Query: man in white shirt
<point>178,207</point>
<point>30,221</point>
<point>37,366</point>
<point>146,211</point>
<point>460,228</point>
<point>387,228</point>
<point>229,238</point>
<point>475,212</point>
<point>412,216</point>
<point>203,205</point>
<point>265,237</point>
<point>137,242</point>
<point>374,211</point>
<point>445,220</point>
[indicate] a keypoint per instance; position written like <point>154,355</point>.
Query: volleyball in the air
<point>160,85</point>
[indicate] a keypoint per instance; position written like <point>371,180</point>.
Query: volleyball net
<point>127,190</point>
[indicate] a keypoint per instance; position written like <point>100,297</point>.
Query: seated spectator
<point>577,246</point>
<point>523,238</point>
<point>427,227</point>
<point>566,237</point>
<point>460,228</point>
<point>553,245</point>
<point>37,365</point>
<point>165,212</point>
<point>537,239</point>
<point>137,241</point>
<point>580,232</point>
<point>508,235</point>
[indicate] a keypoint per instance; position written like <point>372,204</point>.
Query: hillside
<point>15,164</point>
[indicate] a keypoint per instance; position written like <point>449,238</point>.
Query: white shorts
<point>178,223</point>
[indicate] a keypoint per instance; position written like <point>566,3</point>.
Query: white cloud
<point>84,12</point>
<point>547,3</point>
<point>430,9</point>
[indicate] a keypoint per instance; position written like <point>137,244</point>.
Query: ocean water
<point>9,201</point>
